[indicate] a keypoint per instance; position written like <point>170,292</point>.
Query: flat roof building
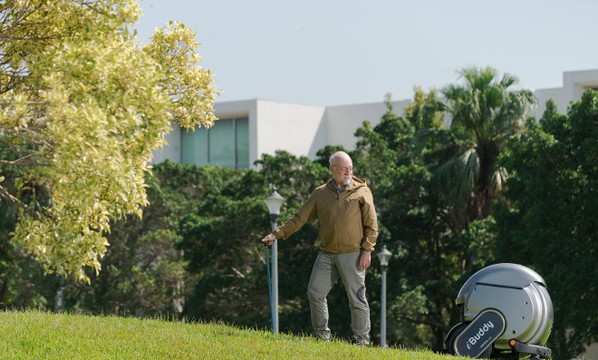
<point>247,129</point>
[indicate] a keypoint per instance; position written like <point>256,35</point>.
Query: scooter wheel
<point>452,336</point>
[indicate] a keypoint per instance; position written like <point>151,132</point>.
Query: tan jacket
<point>347,220</point>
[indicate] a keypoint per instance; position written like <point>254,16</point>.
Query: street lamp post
<point>274,203</point>
<point>383,256</point>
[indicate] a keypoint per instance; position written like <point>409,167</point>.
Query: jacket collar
<point>355,183</point>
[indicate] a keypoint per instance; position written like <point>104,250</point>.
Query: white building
<point>574,84</point>
<point>249,128</point>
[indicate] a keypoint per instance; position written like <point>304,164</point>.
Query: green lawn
<point>39,335</point>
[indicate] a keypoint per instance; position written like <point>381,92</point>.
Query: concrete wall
<point>343,121</point>
<point>298,129</point>
<point>574,84</point>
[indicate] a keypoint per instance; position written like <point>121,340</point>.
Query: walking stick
<point>269,286</point>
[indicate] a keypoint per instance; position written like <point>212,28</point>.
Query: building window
<point>224,144</point>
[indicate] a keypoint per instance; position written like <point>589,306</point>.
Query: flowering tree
<point>82,106</point>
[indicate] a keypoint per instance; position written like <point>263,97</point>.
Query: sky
<point>339,52</point>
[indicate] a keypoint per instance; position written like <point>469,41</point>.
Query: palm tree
<point>484,113</point>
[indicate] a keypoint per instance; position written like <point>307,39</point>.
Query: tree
<point>220,239</point>
<point>484,113</point>
<point>145,273</point>
<point>82,106</point>
<point>550,222</point>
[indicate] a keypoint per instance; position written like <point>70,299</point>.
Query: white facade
<point>298,129</point>
<point>574,84</point>
<point>303,129</point>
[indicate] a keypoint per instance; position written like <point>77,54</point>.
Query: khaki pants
<point>326,271</point>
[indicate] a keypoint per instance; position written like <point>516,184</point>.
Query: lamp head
<point>384,256</point>
<point>274,202</point>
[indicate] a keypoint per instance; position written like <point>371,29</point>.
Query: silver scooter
<point>506,313</point>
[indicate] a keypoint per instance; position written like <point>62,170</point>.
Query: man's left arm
<point>370,230</point>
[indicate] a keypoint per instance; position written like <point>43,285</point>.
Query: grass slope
<point>39,335</point>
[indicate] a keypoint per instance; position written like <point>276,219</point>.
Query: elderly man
<point>348,229</point>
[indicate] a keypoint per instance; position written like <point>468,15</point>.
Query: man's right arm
<point>301,217</point>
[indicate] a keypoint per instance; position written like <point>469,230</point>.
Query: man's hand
<point>269,239</point>
<point>365,260</point>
